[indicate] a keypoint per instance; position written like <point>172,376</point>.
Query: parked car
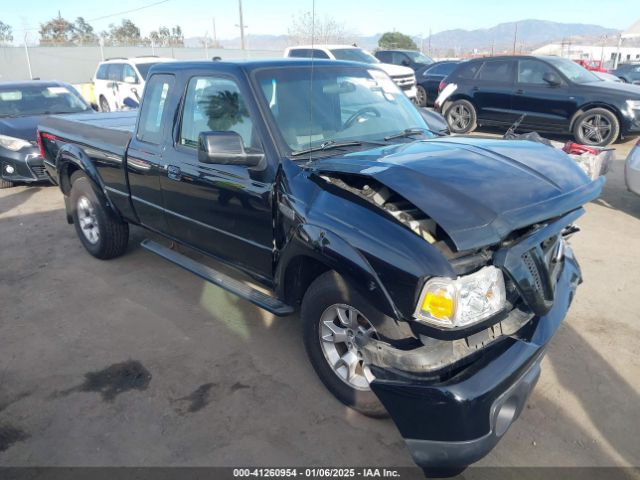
<point>404,77</point>
<point>628,72</point>
<point>593,65</point>
<point>607,77</point>
<point>632,169</point>
<point>429,275</point>
<point>406,58</point>
<point>555,95</point>
<point>118,79</point>
<point>22,106</point>
<point>429,80</point>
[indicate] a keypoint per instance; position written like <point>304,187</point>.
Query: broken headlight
<point>462,302</point>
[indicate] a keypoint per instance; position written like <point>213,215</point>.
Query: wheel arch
<point>590,106</point>
<point>71,159</point>
<point>313,251</point>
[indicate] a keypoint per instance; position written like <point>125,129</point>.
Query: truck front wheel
<point>333,314</point>
<point>102,235</point>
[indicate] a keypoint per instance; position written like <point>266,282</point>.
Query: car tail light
<point>39,136</point>
<point>442,85</point>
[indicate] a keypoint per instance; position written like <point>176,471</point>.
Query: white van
<point>119,78</point>
<point>403,77</point>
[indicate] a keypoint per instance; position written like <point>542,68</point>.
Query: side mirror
<point>94,107</point>
<point>552,79</point>
<point>405,62</point>
<point>130,102</point>
<point>131,80</point>
<point>225,148</point>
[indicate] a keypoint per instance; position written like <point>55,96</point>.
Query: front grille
<point>405,81</point>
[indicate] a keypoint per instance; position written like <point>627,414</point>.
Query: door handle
<point>475,89</point>
<point>519,91</point>
<point>174,172</point>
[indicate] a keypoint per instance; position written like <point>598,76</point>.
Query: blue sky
<point>414,17</point>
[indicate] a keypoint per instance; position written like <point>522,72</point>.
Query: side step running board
<point>268,303</point>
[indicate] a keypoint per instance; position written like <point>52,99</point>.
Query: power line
<point>127,11</point>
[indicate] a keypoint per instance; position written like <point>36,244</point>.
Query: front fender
<point>71,158</point>
<point>337,254</point>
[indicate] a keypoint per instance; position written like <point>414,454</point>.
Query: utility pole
<point>26,51</point>
<point>215,38</point>
<point>515,37</point>
<point>241,25</point>
<point>429,41</point>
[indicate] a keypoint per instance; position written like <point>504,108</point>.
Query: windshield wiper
<point>328,145</point>
<point>409,132</point>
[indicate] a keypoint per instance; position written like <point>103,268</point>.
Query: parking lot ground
<point>134,361</point>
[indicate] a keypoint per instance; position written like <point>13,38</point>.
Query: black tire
<point>461,116</point>
<point>326,291</point>
<point>113,234</point>
<point>5,183</point>
<point>104,105</point>
<point>421,96</point>
<point>598,127</point>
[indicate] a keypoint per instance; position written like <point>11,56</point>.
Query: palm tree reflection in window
<point>225,109</point>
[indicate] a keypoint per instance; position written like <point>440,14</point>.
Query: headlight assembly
<point>462,302</point>
<point>633,104</point>
<point>13,143</point>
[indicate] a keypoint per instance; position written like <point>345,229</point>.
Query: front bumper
<point>25,165</point>
<point>455,422</point>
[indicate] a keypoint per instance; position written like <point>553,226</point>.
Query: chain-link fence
<point>78,64</point>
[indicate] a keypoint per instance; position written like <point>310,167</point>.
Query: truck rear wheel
<point>333,314</point>
<point>101,234</point>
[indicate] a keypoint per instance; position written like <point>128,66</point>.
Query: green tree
<point>125,34</point>
<point>57,31</point>
<point>397,40</point>
<point>163,37</point>
<point>6,33</point>
<point>83,33</point>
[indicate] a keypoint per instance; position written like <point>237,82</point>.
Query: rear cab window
<point>153,110</point>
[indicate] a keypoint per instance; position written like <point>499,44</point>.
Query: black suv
<point>628,72</point>
<point>407,58</point>
<point>554,95</point>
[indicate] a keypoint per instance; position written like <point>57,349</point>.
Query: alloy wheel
<point>459,117</point>
<point>339,325</point>
<point>595,128</point>
<point>88,220</point>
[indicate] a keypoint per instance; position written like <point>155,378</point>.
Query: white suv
<point>117,79</point>
<point>404,77</point>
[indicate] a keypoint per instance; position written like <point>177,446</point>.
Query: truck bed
<point>109,132</point>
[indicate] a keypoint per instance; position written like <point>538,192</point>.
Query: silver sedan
<point>632,169</point>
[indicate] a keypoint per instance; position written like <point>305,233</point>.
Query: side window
<point>399,57</point>
<point>128,72</point>
<point>498,71</point>
<point>467,71</point>
<point>319,54</point>
<point>384,57</point>
<point>153,108</point>
<point>533,71</point>
<point>300,53</point>
<point>114,72</point>
<point>101,74</point>
<point>215,104</point>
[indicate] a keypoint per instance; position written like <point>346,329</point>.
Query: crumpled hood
<point>477,190</point>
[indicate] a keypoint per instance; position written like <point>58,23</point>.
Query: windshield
<point>420,58</point>
<point>338,105</point>
<point>24,100</point>
<point>143,68</point>
<point>354,55</point>
<point>574,72</point>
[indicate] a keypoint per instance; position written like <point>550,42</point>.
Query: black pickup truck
<point>430,272</point>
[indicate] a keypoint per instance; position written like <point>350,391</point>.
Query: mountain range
<point>530,34</point>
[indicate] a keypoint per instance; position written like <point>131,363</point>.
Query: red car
<point>593,65</point>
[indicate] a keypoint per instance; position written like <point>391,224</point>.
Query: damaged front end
<point>454,397</point>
